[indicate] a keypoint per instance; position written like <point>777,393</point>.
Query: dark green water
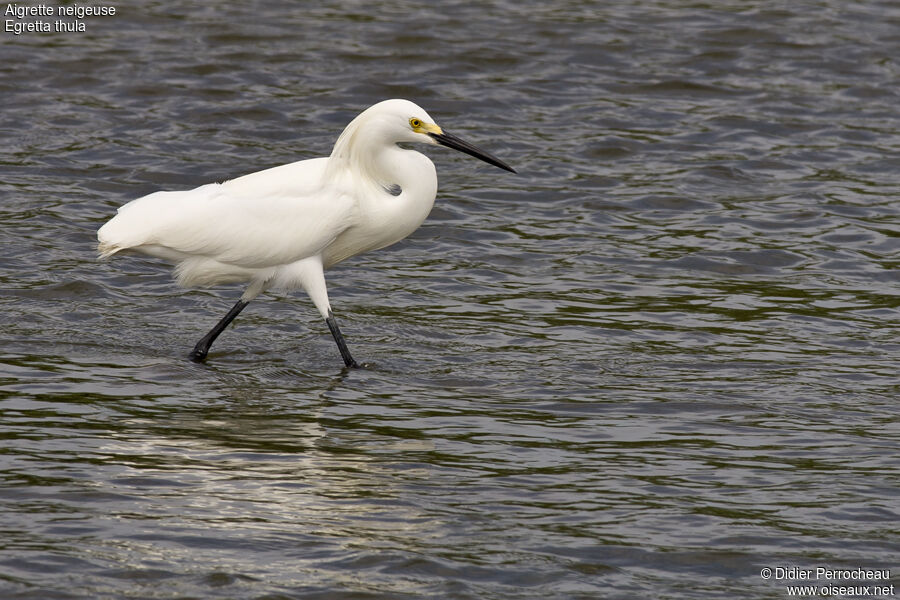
<point>659,360</point>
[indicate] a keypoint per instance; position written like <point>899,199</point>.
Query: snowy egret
<point>282,227</point>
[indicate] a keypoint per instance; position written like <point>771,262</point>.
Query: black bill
<point>451,141</point>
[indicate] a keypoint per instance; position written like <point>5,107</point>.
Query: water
<point>659,360</point>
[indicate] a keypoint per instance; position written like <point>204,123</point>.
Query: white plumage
<point>282,227</point>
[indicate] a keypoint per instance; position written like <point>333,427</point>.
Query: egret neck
<point>367,167</point>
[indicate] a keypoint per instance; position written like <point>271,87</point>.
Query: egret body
<point>282,227</point>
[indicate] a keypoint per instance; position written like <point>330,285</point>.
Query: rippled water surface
<point>660,359</point>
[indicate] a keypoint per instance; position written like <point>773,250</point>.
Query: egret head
<point>434,134</point>
<point>409,123</point>
<point>399,121</point>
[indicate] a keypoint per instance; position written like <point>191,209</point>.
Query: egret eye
<point>415,123</point>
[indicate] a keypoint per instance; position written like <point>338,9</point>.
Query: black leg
<point>341,344</point>
<point>198,354</point>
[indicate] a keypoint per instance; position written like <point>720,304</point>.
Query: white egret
<point>282,227</point>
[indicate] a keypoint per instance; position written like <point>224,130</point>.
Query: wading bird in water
<point>282,227</point>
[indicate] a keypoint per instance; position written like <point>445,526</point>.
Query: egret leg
<point>341,344</point>
<point>198,354</point>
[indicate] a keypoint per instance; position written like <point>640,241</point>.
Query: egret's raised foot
<point>198,355</point>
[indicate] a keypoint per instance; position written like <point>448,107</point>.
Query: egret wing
<point>264,219</point>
